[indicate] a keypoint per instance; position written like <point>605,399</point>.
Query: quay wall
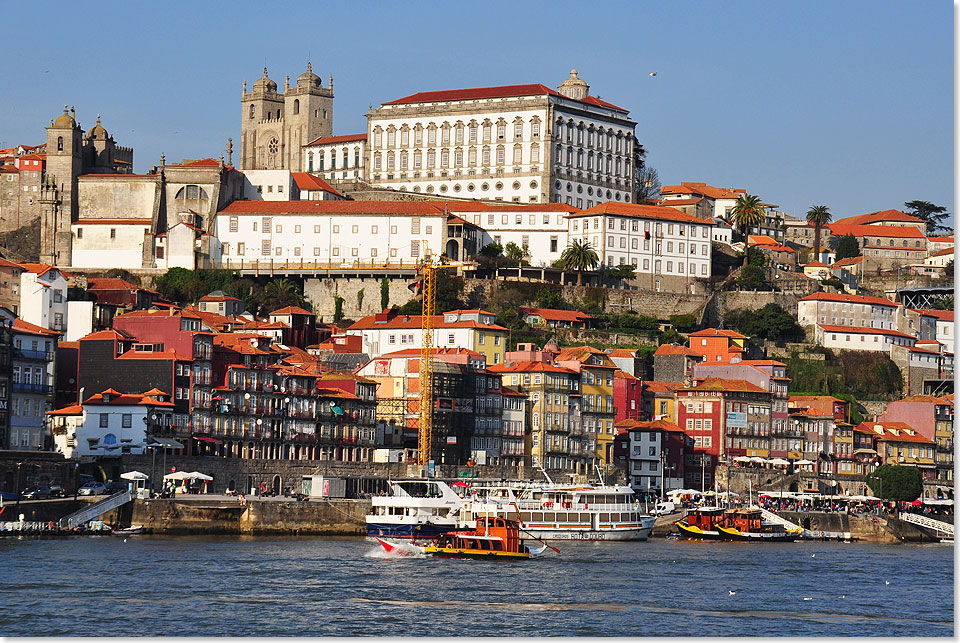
<point>197,515</point>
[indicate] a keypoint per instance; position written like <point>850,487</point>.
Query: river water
<point>266,586</point>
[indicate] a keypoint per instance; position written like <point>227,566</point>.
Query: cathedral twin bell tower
<point>274,126</point>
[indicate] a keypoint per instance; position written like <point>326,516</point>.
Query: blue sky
<point>848,104</point>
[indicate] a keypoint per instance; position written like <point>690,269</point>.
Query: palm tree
<point>281,293</point>
<point>819,216</point>
<point>579,256</point>
<point>747,212</point>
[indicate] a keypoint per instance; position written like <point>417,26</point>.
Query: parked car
<point>56,491</point>
<point>93,489</point>
<point>664,508</point>
<point>7,496</point>
<point>40,493</point>
<point>116,486</point>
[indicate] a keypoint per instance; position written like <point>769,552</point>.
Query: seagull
<point>843,595</point>
<point>807,598</point>
<point>653,73</point>
<point>124,540</point>
<point>731,592</point>
<point>813,555</point>
<point>886,582</point>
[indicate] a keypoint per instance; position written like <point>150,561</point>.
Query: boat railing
<point>528,505</point>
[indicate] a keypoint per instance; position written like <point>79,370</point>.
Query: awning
<point>166,443</point>
<point>203,439</point>
<point>134,475</point>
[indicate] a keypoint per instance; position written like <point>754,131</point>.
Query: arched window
<point>310,162</point>
<point>253,110</point>
<point>296,106</point>
<point>59,143</point>
<point>192,192</point>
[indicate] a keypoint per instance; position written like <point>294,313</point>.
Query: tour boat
<point>746,525</point>
<point>415,509</point>
<point>564,512</point>
<point>493,538</point>
<point>132,530</point>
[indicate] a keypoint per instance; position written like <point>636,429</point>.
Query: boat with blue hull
<point>415,510</point>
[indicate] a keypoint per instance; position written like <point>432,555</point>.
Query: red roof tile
<point>849,299</point>
<point>942,315</point>
<point>882,215</point>
<point>557,315</point>
<point>716,332</point>
<point>308,182</point>
<point>693,187</point>
<point>291,310</point>
<point>528,367</point>
<point>905,232</point>
<point>670,349</point>
<point>32,329</point>
<point>109,283</point>
<point>343,138</point>
<point>502,91</point>
<point>724,384</point>
<point>849,261</point>
<point>660,212</point>
<point>662,387</point>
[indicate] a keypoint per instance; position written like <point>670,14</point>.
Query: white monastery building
<point>847,310</point>
<point>519,143</point>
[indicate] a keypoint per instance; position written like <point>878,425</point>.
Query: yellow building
<point>660,400</point>
<point>596,371</point>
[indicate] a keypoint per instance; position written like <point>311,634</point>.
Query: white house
<point>847,310</point>
<point>336,157</point>
<point>540,229</point>
<point>43,296</point>
<point>109,423</point>
<point>117,243</point>
<point>658,241</point>
<point>268,185</point>
<point>944,327</point>
<point>855,338</point>
<point>337,233</point>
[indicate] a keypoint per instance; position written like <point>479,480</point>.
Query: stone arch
<point>453,250</point>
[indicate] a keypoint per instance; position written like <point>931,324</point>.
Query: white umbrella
<point>803,462</point>
<point>758,459</point>
<point>177,475</point>
<point>134,475</point>
<point>196,475</point>
<point>741,458</point>
<point>779,461</point>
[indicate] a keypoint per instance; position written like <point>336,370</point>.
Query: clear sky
<point>847,104</point>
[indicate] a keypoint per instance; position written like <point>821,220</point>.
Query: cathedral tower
<point>59,196</point>
<point>275,126</point>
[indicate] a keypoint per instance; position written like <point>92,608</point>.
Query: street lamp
<point>17,488</point>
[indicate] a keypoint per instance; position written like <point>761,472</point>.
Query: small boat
<point>493,539</point>
<point>132,530</point>
<point>400,549</point>
<point>415,509</point>
<point>745,525</point>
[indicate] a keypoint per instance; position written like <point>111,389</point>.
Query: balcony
<point>21,387</point>
<point>40,356</point>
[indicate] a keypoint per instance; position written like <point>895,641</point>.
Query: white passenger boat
<point>564,512</point>
<point>415,509</point>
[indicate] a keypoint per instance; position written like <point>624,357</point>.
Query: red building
<point>718,345</point>
<point>627,397</point>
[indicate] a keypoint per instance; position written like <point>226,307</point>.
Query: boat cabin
<point>705,518</point>
<point>492,534</point>
<point>745,520</point>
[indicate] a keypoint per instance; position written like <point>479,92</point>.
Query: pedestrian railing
<point>923,521</point>
<point>97,509</point>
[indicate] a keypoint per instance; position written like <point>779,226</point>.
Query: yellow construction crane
<point>428,269</point>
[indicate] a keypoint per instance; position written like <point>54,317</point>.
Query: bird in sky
<point>653,73</point>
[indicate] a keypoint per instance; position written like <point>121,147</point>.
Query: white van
<point>664,508</point>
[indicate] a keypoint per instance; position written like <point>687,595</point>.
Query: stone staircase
<point>97,509</point>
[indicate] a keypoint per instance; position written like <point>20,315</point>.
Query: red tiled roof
<point>941,315</point>
<point>528,367</point>
<point>468,310</point>
<point>660,212</point>
<point>716,332</point>
<point>105,334</point>
<point>42,268</point>
<point>109,283</point>
<point>675,202</point>
<point>413,322</point>
<point>862,330</point>
<point>693,187</point>
<point>506,390</point>
<point>905,232</point>
<point>815,264</point>
<point>945,251</point>
<point>940,239</point>
<point>308,182</point>
<point>849,261</point>
<point>291,310</point>
<point>207,162</point>
<point>621,352</point>
<point>75,409</point>
<point>903,434</point>
<point>670,349</point>
<point>557,315</point>
<point>166,354</point>
<point>652,425</point>
<point>849,299</point>
<point>21,326</point>
<point>332,207</point>
<point>343,138</point>
<point>724,384</point>
<point>662,387</point>
<point>415,352</point>
<point>502,91</point>
<point>10,264</point>
<point>882,215</point>
<point>218,298</point>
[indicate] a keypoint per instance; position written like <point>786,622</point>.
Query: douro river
<point>238,586</point>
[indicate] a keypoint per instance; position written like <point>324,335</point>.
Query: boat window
<point>536,516</point>
<point>604,517</point>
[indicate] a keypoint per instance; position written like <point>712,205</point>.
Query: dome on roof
<point>98,131</point>
<point>309,78</point>
<point>65,119</point>
<point>574,87</point>
<point>265,83</point>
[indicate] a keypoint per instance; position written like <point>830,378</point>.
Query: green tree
<point>819,216</point>
<point>748,212</point>
<point>579,256</point>
<point>896,482</point>
<point>943,302</point>
<point>948,269</point>
<point>670,336</point>
<point>848,247</point>
<point>360,294</point>
<point>770,322</point>
<point>173,284</point>
<point>932,215</point>
<point>281,293</point>
<point>337,309</point>
<point>751,278</point>
<point>623,271</point>
<point>683,323</point>
<point>756,257</point>
<point>514,253</point>
<point>492,250</point>
<point>384,293</point>
<point>551,298</point>
<point>448,290</point>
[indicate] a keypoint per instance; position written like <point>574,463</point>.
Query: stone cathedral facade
<point>275,126</point>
